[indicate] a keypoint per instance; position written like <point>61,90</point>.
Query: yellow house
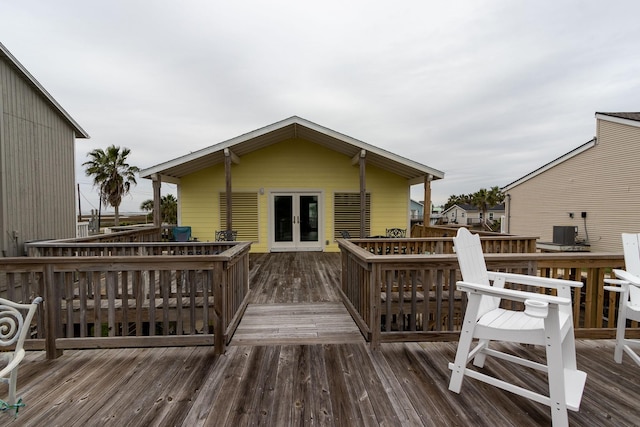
<point>292,186</point>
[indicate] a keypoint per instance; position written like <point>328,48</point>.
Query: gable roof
<point>631,119</point>
<point>16,65</point>
<point>293,127</point>
<point>551,164</point>
<point>462,206</point>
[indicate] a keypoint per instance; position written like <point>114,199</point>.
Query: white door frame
<point>295,244</point>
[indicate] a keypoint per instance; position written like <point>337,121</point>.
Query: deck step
<point>296,323</point>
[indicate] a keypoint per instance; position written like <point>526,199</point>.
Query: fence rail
<point>131,295</point>
<point>396,296</point>
<point>492,243</point>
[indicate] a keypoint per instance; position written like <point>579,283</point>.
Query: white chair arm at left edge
<point>618,282</point>
<point>632,279</point>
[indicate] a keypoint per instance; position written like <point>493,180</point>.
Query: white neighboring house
<point>467,214</point>
<point>594,187</point>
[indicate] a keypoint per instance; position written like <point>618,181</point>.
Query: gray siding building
<point>37,171</point>
<point>594,188</point>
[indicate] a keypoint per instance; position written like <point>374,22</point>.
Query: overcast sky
<point>485,91</point>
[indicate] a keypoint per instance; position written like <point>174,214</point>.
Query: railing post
<point>374,303</point>
<point>218,309</point>
<point>52,312</point>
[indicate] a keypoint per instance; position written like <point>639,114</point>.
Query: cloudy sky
<point>485,91</point>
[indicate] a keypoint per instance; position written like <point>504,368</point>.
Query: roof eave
<point>619,120</point>
<point>421,171</point>
<point>550,165</point>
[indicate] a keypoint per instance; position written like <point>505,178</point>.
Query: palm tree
<point>457,200</point>
<point>483,199</point>
<point>112,175</point>
<point>168,208</point>
<point>147,206</point>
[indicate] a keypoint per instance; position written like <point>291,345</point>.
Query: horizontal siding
<point>39,192</point>
<point>199,202</point>
<point>602,181</point>
<point>293,165</point>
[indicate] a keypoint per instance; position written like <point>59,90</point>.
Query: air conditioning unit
<point>565,235</point>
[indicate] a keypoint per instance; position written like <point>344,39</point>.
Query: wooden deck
<point>301,372</point>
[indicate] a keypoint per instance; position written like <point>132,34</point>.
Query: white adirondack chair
<point>14,328</point>
<point>628,284</point>
<point>546,320</point>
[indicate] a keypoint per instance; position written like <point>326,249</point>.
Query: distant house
<point>417,211</point>
<point>594,188</point>
<point>455,215</point>
<point>470,215</point>
<point>292,186</point>
<point>37,155</point>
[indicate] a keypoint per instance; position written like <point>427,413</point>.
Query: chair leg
<point>13,379</point>
<point>464,344</point>
<point>621,327</point>
<point>480,357</point>
<point>460,363</point>
<point>555,364</point>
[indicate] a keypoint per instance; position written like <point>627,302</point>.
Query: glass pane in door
<point>308,218</point>
<point>283,226</point>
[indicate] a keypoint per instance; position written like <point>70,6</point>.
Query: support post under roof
<point>227,173</point>
<point>363,193</point>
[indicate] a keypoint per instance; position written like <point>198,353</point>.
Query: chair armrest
<point>617,282</point>
<point>511,294</point>
<point>525,279</point>
<point>631,279</point>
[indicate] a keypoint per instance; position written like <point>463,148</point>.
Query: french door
<point>295,222</point>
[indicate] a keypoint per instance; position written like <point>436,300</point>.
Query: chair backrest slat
<point>632,262</point>
<point>472,265</point>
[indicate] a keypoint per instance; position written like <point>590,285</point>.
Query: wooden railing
<point>494,243</point>
<point>420,230</point>
<point>131,295</point>
<point>117,248</point>
<point>412,297</point>
<point>135,234</point>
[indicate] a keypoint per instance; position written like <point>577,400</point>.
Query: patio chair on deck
<point>628,285</point>
<point>14,328</point>
<point>181,234</point>
<point>397,233</point>
<point>226,236</point>
<point>546,320</point>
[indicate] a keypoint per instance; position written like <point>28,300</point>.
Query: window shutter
<point>346,214</point>
<point>244,212</point>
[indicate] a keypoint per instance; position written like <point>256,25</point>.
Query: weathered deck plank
<point>325,383</point>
